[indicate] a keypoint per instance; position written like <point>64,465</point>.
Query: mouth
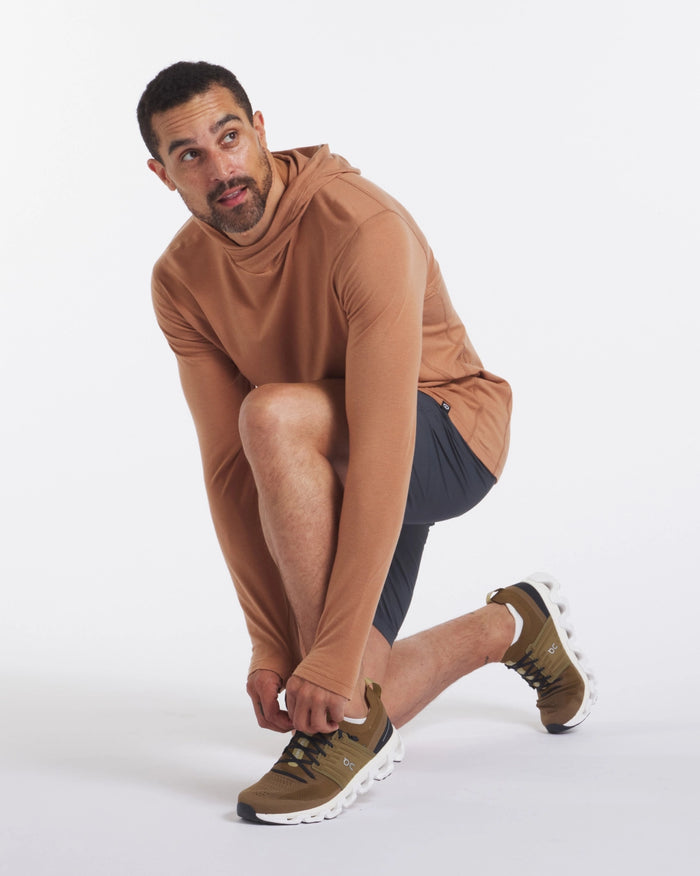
<point>232,197</point>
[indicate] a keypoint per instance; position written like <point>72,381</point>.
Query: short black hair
<point>176,85</point>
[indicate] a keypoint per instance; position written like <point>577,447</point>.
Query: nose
<point>221,167</point>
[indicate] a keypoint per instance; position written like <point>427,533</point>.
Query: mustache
<point>233,183</point>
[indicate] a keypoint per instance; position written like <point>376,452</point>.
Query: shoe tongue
<point>298,747</point>
<point>302,747</point>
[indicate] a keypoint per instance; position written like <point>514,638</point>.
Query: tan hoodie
<point>342,285</point>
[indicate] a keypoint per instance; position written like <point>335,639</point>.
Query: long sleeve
<point>214,390</point>
<point>342,285</point>
<point>381,282</point>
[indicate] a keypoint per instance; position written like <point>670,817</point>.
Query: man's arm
<point>214,390</point>
<point>381,284</point>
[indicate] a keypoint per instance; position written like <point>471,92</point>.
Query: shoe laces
<point>305,751</point>
<point>534,675</point>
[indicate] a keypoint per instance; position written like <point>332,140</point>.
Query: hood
<point>304,171</point>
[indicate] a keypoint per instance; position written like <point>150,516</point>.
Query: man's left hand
<point>313,709</point>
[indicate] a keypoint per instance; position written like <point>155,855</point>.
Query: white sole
<point>380,767</point>
<point>548,588</point>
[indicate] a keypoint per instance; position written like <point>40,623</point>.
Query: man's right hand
<point>263,688</point>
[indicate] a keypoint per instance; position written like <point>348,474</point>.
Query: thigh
<point>447,478</point>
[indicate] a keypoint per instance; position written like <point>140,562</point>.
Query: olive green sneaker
<point>546,655</point>
<point>318,776</point>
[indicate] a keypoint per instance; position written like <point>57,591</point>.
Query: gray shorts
<point>447,479</point>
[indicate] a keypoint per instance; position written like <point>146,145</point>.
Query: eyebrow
<point>217,126</point>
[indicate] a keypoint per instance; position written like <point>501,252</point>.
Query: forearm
<point>383,298</point>
<point>372,513</point>
<point>382,444</point>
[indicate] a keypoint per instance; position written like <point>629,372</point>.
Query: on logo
<point>554,648</point>
<point>349,764</point>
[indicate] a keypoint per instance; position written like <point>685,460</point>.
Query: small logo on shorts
<point>445,407</point>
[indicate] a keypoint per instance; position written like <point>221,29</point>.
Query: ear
<point>161,173</point>
<point>259,125</point>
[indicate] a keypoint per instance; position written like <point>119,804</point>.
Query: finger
<point>278,718</point>
<point>290,700</point>
<point>330,722</point>
<point>318,722</point>
<point>280,723</point>
<point>300,712</point>
<point>259,712</point>
<point>273,717</point>
<point>327,712</point>
<point>311,716</point>
<point>323,717</point>
<point>336,711</point>
<point>303,722</point>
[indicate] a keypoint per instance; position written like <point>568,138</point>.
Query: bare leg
<point>295,439</point>
<point>419,668</point>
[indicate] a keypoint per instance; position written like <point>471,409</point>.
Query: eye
<point>190,155</point>
<point>230,137</point>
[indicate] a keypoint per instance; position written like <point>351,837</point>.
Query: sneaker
<point>546,655</point>
<point>318,776</point>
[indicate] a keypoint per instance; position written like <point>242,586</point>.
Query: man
<point>341,410</point>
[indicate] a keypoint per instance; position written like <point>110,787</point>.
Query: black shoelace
<point>533,674</point>
<point>305,751</point>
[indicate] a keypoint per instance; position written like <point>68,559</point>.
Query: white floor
<point>139,774</point>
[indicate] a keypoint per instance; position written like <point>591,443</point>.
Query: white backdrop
<point>548,149</point>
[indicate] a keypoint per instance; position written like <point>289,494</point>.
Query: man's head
<point>208,144</point>
<point>176,85</point>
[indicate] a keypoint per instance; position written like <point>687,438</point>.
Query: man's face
<point>216,160</point>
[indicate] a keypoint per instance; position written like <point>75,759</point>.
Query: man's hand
<point>263,687</point>
<point>313,709</point>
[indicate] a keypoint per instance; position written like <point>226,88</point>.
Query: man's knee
<point>283,415</point>
<point>266,415</point>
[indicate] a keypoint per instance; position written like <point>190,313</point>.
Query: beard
<point>243,217</point>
